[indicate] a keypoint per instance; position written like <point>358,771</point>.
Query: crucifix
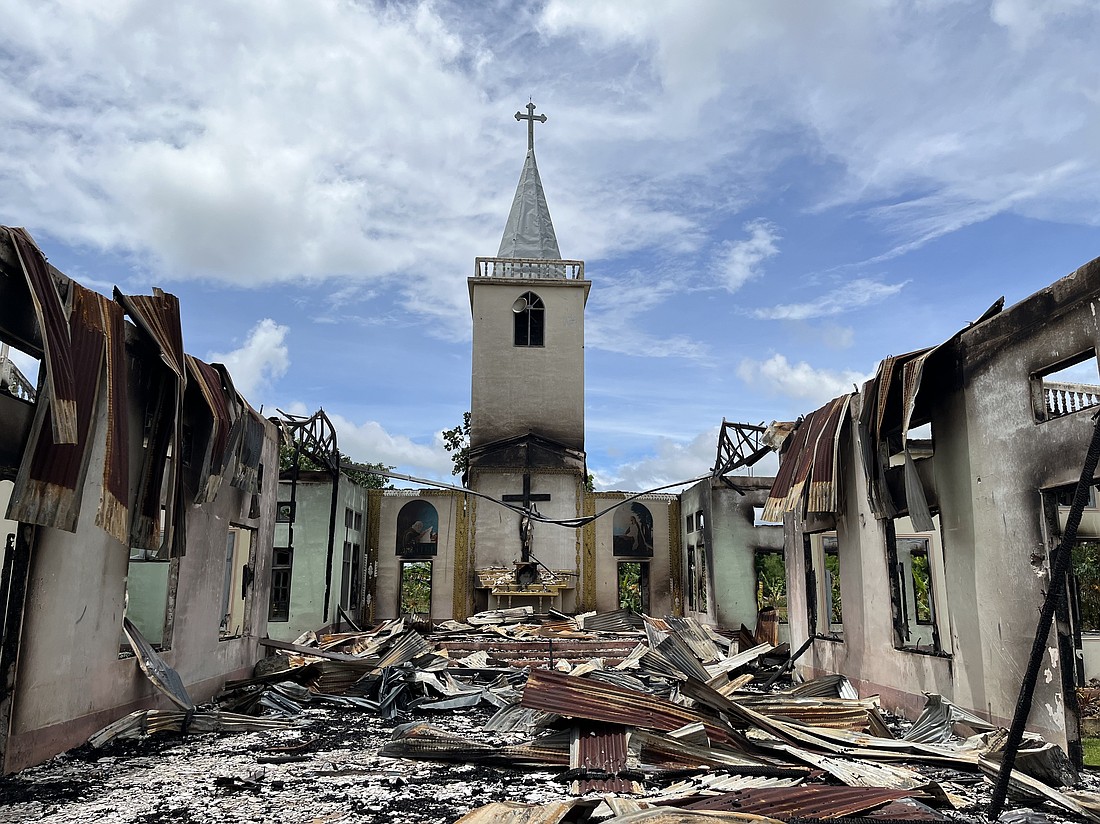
<point>525,525</point>
<point>531,117</point>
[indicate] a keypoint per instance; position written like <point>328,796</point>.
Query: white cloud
<point>262,359</point>
<point>670,461</point>
<point>957,113</point>
<point>854,294</point>
<point>615,318</point>
<point>370,442</point>
<point>738,261</point>
<point>800,381</point>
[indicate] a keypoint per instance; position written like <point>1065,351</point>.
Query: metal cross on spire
<point>531,117</point>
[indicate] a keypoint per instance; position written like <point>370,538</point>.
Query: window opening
<point>530,320</point>
<point>237,586</point>
<point>282,567</point>
<point>1066,387</point>
<point>771,583</point>
<point>917,584</point>
<point>349,581</point>
<point>702,579</point>
<point>634,586</point>
<point>415,597</point>
<point>823,596</point>
<point>691,577</point>
<point>699,520</point>
<point>149,585</point>
<point>1086,574</point>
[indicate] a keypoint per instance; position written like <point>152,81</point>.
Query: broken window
<point>699,520</point>
<point>823,598</point>
<point>690,519</point>
<point>349,582</point>
<point>282,567</point>
<point>148,580</point>
<point>917,586</point>
<point>691,577</point>
<point>702,583</point>
<point>634,586</point>
<point>236,586</point>
<point>1066,387</point>
<point>415,597</point>
<point>1086,584</point>
<point>771,582</point>
<point>529,319</point>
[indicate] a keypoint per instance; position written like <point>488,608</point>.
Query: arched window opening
<point>530,320</point>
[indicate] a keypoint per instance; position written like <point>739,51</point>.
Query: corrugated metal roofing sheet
<point>806,802</point>
<point>585,698</point>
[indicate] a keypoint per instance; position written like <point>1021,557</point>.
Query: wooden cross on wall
<point>531,117</point>
<point>527,499</point>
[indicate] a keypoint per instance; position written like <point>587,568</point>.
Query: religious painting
<point>417,530</point>
<point>633,531</point>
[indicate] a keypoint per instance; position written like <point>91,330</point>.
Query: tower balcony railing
<point>495,267</point>
<point>1066,398</point>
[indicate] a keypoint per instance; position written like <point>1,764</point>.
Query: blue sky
<point>769,196</point>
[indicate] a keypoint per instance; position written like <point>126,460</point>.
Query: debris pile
<point>640,719</point>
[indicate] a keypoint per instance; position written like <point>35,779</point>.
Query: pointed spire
<point>529,232</point>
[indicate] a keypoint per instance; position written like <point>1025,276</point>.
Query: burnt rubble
<point>615,717</point>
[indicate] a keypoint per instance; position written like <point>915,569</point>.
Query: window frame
<point>278,571</point>
<point>529,323</point>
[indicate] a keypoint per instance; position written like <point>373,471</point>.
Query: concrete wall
<point>731,538</point>
<point>991,459</point>
<point>663,568</point>
<point>448,506</point>
<point>71,680</point>
<point>313,506</point>
<point>521,389</point>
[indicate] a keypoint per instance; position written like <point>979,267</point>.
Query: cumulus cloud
<point>799,381</point>
<point>902,104</point>
<point>262,359</point>
<point>855,294</point>
<point>669,462</point>
<point>738,261</point>
<point>370,442</point>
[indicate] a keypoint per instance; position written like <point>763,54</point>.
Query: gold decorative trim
<point>465,514</point>
<point>374,531</point>
<point>588,585</point>
<point>675,557</point>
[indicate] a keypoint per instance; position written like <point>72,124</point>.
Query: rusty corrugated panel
<point>805,802</point>
<point>158,316</point>
<point>585,698</point>
<point>600,750</point>
<point>834,713</point>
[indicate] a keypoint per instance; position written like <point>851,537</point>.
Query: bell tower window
<point>530,320</point>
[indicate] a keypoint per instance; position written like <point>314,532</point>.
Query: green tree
<point>771,583</point>
<point>362,478</point>
<point>1086,568</point>
<point>457,442</point>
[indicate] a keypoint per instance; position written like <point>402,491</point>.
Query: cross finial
<point>531,117</point>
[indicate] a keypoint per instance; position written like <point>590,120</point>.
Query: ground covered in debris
<point>612,718</point>
<point>327,770</point>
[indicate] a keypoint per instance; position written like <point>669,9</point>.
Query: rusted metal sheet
<point>804,802</point>
<point>585,698</point>
<point>599,750</point>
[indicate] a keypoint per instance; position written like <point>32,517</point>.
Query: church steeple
<point>529,232</point>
